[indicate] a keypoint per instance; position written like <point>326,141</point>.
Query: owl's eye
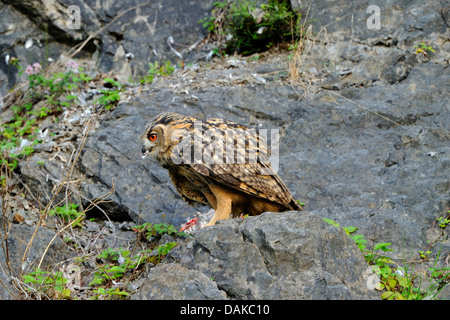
<point>152,136</point>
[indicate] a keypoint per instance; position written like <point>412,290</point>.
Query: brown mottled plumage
<point>217,163</point>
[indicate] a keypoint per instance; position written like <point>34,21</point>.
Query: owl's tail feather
<point>295,205</point>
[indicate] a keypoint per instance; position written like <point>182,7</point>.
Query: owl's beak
<point>144,152</point>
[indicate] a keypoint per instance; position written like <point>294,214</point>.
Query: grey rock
<point>44,175</point>
<point>18,240</point>
<point>173,281</point>
<point>308,258</point>
<point>400,20</point>
<point>6,288</point>
<point>292,255</point>
<point>12,263</point>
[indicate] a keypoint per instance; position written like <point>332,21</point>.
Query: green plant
<point>440,275</point>
<point>213,23</point>
<point>443,222</point>
<point>396,283</point>
<point>208,23</point>
<point>163,250</point>
<point>117,264</point>
<point>253,26</point>
<point>156,70</point>
<point>46,95</point>
<point>113,271</point>
<point>110,292</point>
<point>438,278</point>
<point>423,48</point>
<point>15,138</point>
<point>332,222</point>
<point>151,230</point>
<point>51,284</point>
<point>57,83</point>
<point>302,204</point>
<point>69,214</point>
<point>372,256</point>
<point>424,254</point>
<point>111,96</point>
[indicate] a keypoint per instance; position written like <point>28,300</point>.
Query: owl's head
<point>162,134</point>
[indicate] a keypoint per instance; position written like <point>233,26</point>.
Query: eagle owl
<point>217,163</point>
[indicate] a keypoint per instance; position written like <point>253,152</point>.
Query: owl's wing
<point>255,177</point>
<point>248,179</point>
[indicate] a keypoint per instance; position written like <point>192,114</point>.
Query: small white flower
<point>400,272</point>
<point>261,30</point>
<point>121,259</point>
<point>28,43</point>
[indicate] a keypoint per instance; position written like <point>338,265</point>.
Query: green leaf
<point>332,222</point>
<point>379,286</point>
<point>118,271</point>
<point>97,280</point>
<point>101,290</point>
<point>404,282</point>
<point>112,81</point>
<point>163,250</point>
<point>359,238</point>
<point>383,246</point>
<point>29,278</point>
<point>71,96</point>
<point>386,295</point>
<point>348,230</point>
<point>116,291</point>
<point>385,271</point>
<point>399,296</point>
<point>391,282</point>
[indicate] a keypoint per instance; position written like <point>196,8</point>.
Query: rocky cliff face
<point>364,141</point>
<point>124,39</point>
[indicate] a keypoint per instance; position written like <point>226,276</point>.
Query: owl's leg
<point>223,207</point>
<point>223,212</point>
